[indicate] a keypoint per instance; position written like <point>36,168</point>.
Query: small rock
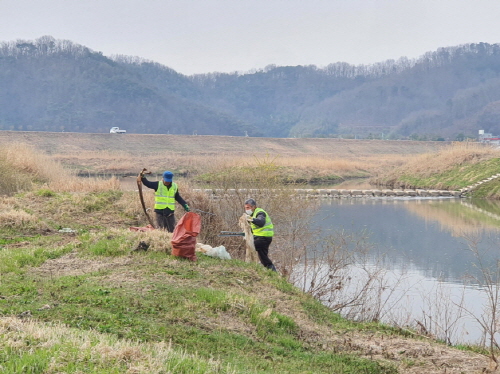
<point>25,314</point>
<point>142,246</point>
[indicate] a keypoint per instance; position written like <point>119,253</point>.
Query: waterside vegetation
<point>453,167</point>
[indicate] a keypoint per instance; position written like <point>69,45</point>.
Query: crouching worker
<point>263,231</point>
<point>166,194</point>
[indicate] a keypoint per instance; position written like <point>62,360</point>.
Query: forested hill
<point>54,85</point>
<point>57,85</point>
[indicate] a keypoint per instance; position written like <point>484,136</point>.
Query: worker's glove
<point>186,208</point>
<point>249,219</point>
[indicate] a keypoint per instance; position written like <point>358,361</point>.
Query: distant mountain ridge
<point>54,85</point>
<point>57,85</point>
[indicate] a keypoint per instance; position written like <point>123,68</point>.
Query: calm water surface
<point>426,245</point>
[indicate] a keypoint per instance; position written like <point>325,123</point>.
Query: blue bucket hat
<point>167,176</point>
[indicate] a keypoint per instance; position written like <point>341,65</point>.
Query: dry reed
<point>39,167</point>
<point>16,218</point>
<point>11,215</point>
<point>199,163</point>
<point>28,169</point>
<point>455,154</point>
<point>77,184</point>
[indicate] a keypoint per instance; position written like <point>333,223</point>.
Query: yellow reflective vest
<point>165,197</point>
<point>267,229</point>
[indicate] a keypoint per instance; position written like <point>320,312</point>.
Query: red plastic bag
<point>184,236</point>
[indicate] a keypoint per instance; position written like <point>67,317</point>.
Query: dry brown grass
<point>344,166</point>
<point>157,240</point>
<point>12,215</point>
<point>37,166</point>
<point>12,218</point>
<point>108,153</point>
<point>77,184</point>
<point>29,169</point>
<point>310,165</point>
<point>447,158</point>
<point>105,351</point>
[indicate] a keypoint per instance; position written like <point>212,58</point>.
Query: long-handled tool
<point>231,233</point>
<point>139,186</point>
<point>201,211</point>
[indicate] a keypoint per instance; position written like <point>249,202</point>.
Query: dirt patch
<point>71,264</point>
<point>415,356</point>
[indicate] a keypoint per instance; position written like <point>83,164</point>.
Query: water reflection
<point>460,216</point>
<point>434,235</point>
<point>427,242</point>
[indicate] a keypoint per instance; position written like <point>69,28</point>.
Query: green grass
<point>199,307</point>
<point>92,352</point>
<point>9,236</point>
<point>44,192</point>
<point>97,201</point>
<point>458,177</point>
<point>488,190</point>
<point>105,245</point>
<point>39,250</point>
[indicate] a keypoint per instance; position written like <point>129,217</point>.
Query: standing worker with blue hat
<point>166,194</point>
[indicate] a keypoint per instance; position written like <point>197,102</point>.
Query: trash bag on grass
<point>219,252</point>
<point>184,236</point>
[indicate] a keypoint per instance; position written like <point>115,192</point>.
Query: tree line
<point>57,85</point>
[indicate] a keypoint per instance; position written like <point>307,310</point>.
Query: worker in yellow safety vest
<point>263,231</point>
<point>166,194</point>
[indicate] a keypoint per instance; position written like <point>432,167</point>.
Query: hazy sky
<point>200,36</point>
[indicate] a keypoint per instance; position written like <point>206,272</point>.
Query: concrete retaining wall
<point>340,193</point>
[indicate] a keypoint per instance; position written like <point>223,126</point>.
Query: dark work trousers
<point>165,220</point>
<point>262,244</point>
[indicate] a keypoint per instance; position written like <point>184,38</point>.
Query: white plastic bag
<point>219,252</point>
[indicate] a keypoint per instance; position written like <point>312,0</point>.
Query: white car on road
<point>116,130</point>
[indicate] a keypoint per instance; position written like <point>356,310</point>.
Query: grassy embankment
<point>85,301</point>
<point>203,158</point>
<point>116,312</point>
<point>456,166</point>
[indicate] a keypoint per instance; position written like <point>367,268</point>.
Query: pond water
<point>431,250</point>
